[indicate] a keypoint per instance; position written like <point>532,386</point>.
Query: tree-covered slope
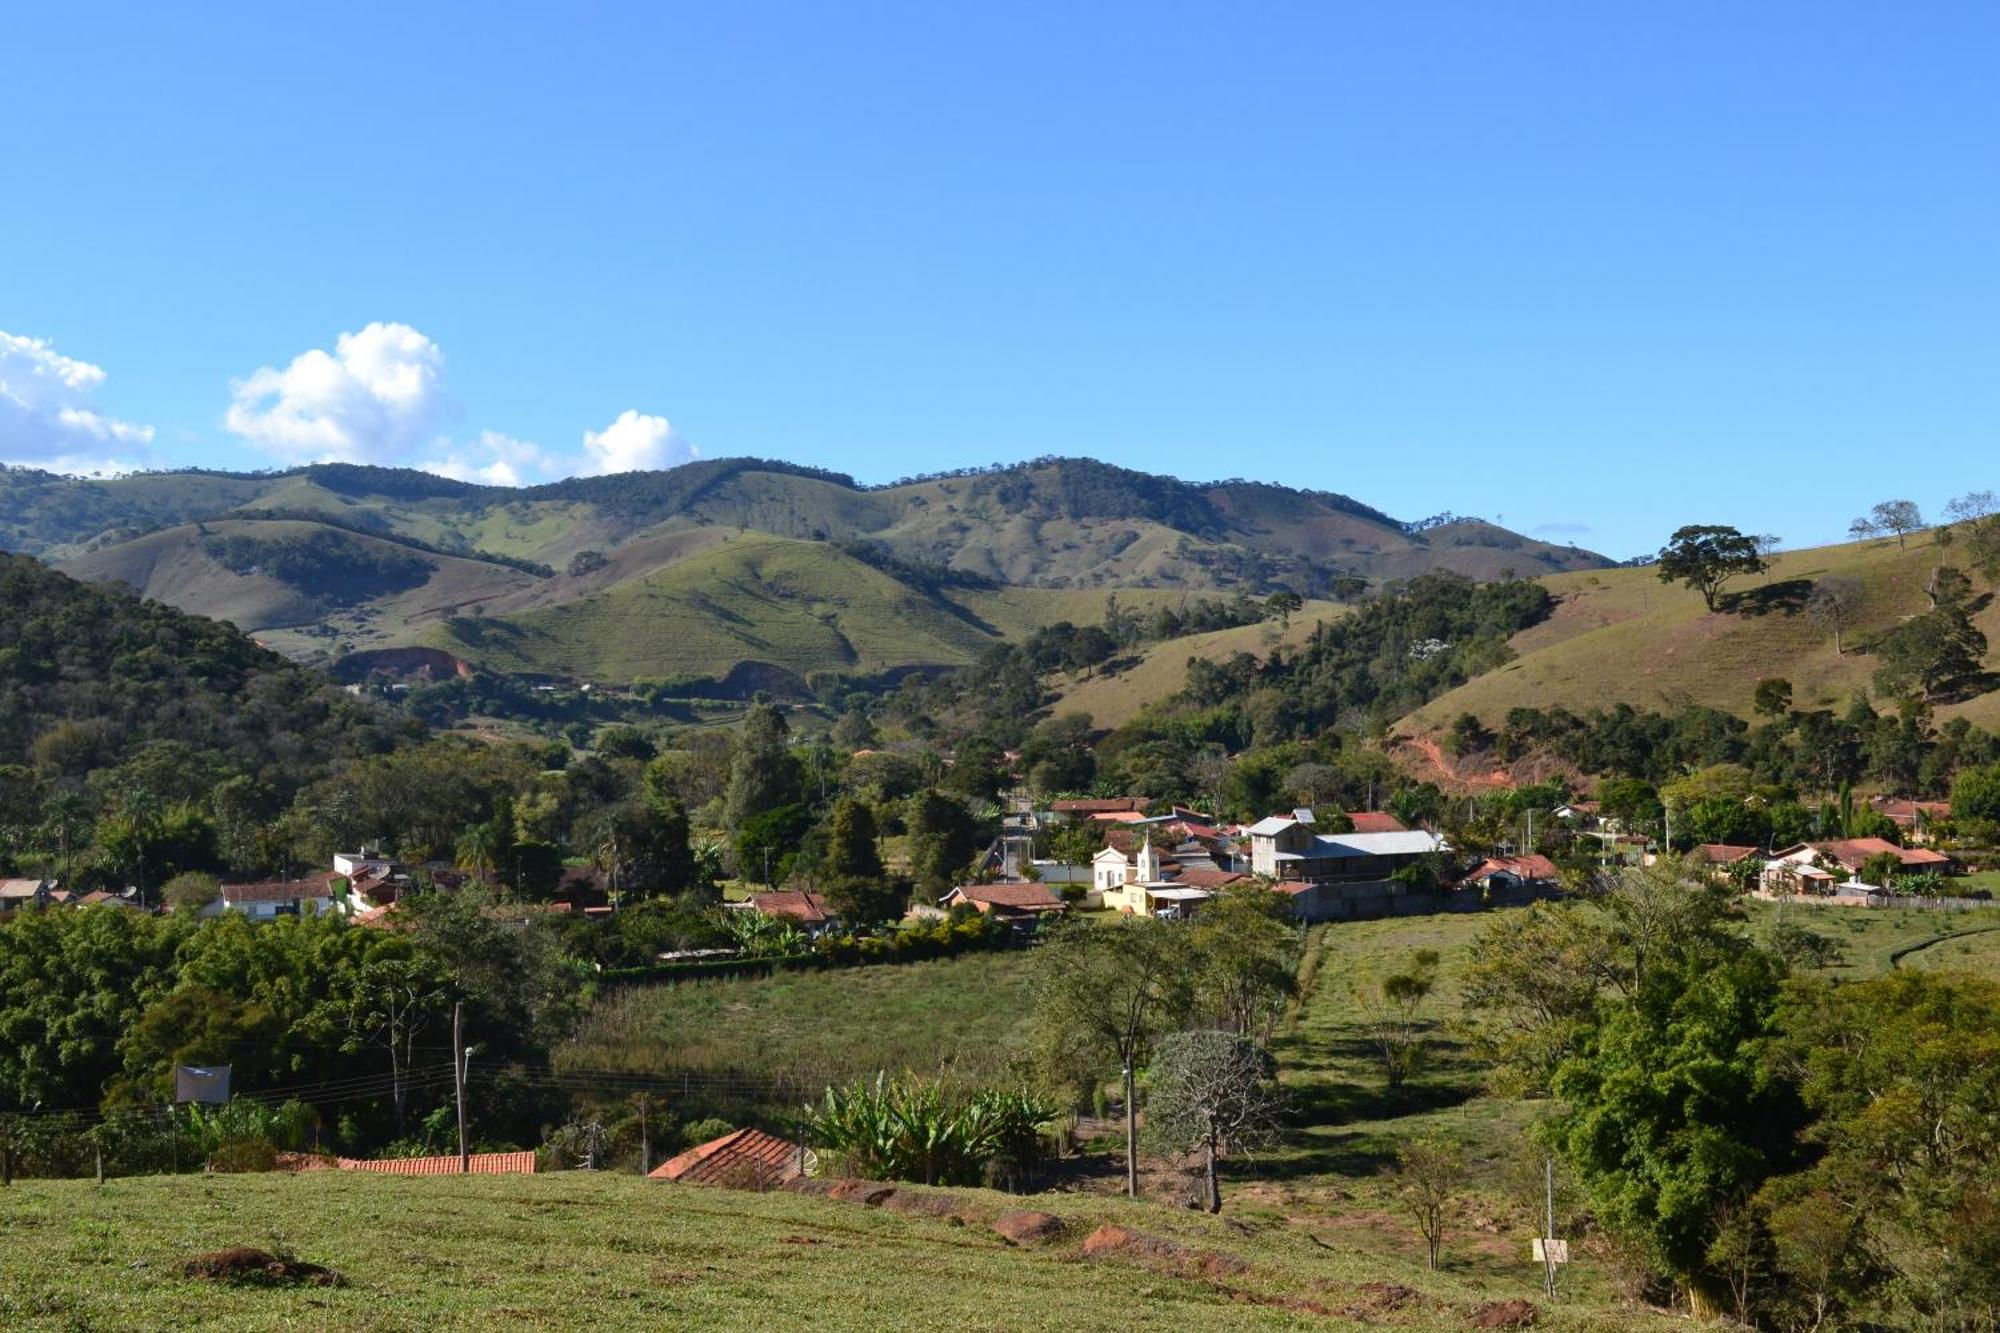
<point>90,673</point>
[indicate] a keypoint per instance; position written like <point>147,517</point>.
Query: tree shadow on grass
<point>1785,597</point>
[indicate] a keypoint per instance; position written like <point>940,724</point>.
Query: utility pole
<point>645,1142</point>
<point>1131,1136</point>
<point>1548,1244</point>
<point>460,1058</point>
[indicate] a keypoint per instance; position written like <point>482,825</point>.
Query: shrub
<point>903,1129</point>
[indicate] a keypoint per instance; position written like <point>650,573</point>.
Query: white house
<point>266,901</point>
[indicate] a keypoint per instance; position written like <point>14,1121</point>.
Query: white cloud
<point>376,398</point>
<point>379,397</point>
<point>496,460</point>
<point>45,416</point>
<point>635,442</point>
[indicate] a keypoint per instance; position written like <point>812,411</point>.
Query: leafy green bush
<point>905,1129</point>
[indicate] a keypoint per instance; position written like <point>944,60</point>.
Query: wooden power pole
<point>458,1082</point>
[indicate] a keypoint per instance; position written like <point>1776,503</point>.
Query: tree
<point>762,774</point>
<point>190,891</point>
<point>586,562</point>
<point>1898,1071</point>
<point>1246,951</point>
<point>386,1004</point>
<point>1670,1109</point>
<point>1212,1091</point>
<point>1975,793</point>
<point>1284,604</point>
<point>1704,557</point>
<point>866,900</point>
<point>1972,507</point>
<point>1396,1022</point>
<point>850,841</point>
<point>1429,1172</point>
<point>1832,605</point>
<point>1773,697</point>
<point>1934,653</point>
<point>942,839</point>
<point>854,730</point>
<point>1900,517</point>
<point>1104,993</point>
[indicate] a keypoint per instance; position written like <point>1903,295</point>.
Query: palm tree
<point>478,851</point>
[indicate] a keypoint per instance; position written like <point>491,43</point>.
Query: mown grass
<point>584,1250</point>
<point>967,1016</point>
<point>1869,938</point>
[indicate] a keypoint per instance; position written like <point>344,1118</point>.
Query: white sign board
<point>1551,1251</point>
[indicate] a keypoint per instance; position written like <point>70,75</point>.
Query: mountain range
<point>716,568</point>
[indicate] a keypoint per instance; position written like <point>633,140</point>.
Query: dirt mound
<point>1030,1227</point>
<point>1516,1313</point>
<point>925,1205</point>
<point>1380,1298</point>
<point>1116,1242</point>
<point>244,1266</point>
<point>871,1192</point>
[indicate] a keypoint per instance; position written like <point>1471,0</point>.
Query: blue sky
<point>1596,270</point>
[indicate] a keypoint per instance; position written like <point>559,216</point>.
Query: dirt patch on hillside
<point>1030,1227</point>
<point>243,1266</point>
<point>1516,1313</point>
<point>1116,1242</point>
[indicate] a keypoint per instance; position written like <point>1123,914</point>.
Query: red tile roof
<point>1857,852</point>
<point>279,891</point>
<point>1209,879</point>
<point>1723,853</point>
<point>1015,897</point>
<point>743,1159</point>
<point>1532,866</point>
<point>1905,813</point>
<point>481,1164</point>
<point>1100,805</point>
<point>1376,821</point>
<point>791,904</point>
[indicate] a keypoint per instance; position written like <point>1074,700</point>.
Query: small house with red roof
<point>1514,872</point>
<point>1005,902</point>
<point>744,1159</point>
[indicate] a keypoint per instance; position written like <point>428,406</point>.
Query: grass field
<point>967,1015</point>
<point>580,1250</point>
<point>1313,1221</point>
<point>1623,636</point>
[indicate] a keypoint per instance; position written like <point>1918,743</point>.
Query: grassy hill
<point>188,567</point>
<point>714,600</point>
<point>720,565</point>
<point>1113,698</point>
<point>1623,636</point>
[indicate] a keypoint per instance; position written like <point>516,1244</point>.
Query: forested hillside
<point>91,676</point>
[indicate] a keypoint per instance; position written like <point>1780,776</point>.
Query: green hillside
<point>718,565</point>
<point>753,598</point>
<point>1113,698</point>
<point>1623,636</point>
<point>307,612</point>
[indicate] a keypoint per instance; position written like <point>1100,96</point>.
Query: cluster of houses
<point>1168,865</point>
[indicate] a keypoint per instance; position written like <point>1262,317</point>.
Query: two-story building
<point>1331,876</point>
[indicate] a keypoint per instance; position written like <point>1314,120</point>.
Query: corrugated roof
<point>1271,827</point>
<point>744,1158</point>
